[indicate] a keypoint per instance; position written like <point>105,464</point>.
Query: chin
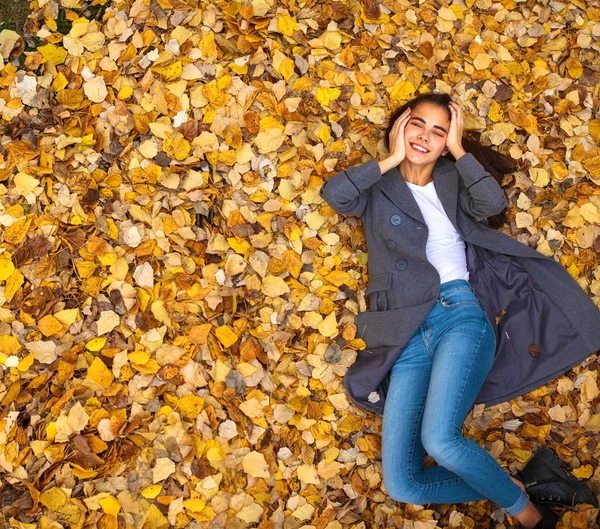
<point>421,160</point>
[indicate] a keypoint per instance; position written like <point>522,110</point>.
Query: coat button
<point>400,264</point>
<point>396,220</point>
<point>391,244</point>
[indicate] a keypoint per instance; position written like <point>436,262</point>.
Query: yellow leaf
<point>25,184</point>
<point>226,336</point>
<point>49,325</point>
<point>338,277</point>
<point>214,94</point>
<point>593,166</point>
<point>195,504</point>
<point>155,519</point>
<point>255,465</point>
<point>221,371</point>
<point>575,69</point>
<point>9,345</point>
<point>6,266</point>
<point>125,92</point>
<point>82,473</point>
<point>350,423</point>
<point>269,140</point>
<point>51,431</point>
<point>13,284</point>
<point>96,344</point>
<point>177,147</point>
<point>332,40</point>
<point>540,177</point>
<point>274,286</point>
<point>139,357</point>
<point>524,121</point>
<point>401,92</point>
<point>151,491</point>
<point>594,128</point>
<point>308,474</point>
<point>324,95</point>
<point>191,406</point>
<point>328,327</point>
<point>171,72</point>
<point>495,112</point>
<point>324,134</point>
<point>584,472</point>
<point>199,333</point>
<point>207,46</point>
<point>53,498</point>
<point>110,505</point>
<point>14,234</point>
<point>85,269</point>
<point>59,82</point>
<point>95,89</point>
<point>286,24</point>
<point>67,316</point>
<point>99,373</point>
<point>53,53</point>
<point>25,363</point>
<point>283,65</point>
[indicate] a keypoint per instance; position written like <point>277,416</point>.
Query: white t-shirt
<point>445,246</point>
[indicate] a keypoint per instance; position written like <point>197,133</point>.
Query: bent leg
<point>463,358</point>
<point>403,453</point>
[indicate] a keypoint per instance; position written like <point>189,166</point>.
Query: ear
<point>445,151</point>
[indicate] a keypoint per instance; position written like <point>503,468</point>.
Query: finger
<point>403,116</point>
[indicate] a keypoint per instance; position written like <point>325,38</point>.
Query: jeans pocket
<point>459,298</point>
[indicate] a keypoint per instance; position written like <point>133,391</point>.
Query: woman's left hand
<point>454,137</point>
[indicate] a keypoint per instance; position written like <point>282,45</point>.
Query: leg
<point>402,452</point>
<point>463,356</point>
<point>402,449</point>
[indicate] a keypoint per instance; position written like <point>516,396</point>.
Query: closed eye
<point>417,124</point>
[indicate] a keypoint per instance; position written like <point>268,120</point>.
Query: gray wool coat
<point>538,305</point>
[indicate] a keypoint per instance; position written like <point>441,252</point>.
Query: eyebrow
<point>435,126</point>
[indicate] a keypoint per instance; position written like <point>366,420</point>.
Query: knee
<point>445,448</point>
<point>404,490</point>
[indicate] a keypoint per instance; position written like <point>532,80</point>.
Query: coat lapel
<point>394,187</point>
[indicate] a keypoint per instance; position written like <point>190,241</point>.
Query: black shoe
<point>549,517</point>
<point>546,481</point>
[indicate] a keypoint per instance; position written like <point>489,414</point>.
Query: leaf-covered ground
<point>177,302</point>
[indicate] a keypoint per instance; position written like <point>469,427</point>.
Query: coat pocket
<point>378,292</point>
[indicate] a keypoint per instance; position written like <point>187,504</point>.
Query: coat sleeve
<point>479,193</point>
<point>348,191</point>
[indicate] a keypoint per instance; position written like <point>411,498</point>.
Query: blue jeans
<point>433,386</point>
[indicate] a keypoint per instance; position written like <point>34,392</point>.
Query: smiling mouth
<point>419,149</point>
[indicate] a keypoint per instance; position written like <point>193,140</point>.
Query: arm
<point>348,191</point>
<point>479,193</point>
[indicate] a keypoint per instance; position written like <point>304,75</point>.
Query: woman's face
<point>428,128</point>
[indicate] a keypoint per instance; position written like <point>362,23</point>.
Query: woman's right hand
<point>397,146</point>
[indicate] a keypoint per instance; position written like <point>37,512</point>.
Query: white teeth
<point>418,148</point>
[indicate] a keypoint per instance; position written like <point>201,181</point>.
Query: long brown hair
<point>493,162</point>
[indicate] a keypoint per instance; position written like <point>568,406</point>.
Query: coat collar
<point>395,188</point>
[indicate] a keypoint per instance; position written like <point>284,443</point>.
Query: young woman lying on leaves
<point>459,313</point>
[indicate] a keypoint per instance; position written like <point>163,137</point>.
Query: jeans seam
<point>462,392</point>
<point>427,336</point>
